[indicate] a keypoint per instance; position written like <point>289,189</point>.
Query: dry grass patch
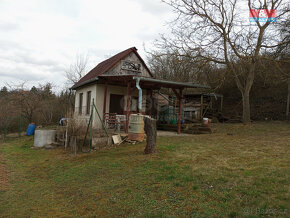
<point>238,171</point>
<point>4,180</point>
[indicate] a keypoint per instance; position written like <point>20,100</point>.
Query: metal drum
<point>136,127</point>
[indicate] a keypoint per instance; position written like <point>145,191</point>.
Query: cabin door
<point>116,104</point>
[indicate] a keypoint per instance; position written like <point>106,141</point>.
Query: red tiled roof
<point>107,65</point>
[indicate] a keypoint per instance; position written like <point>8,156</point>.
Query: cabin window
<point>134,104</point>
<point>88,102</point>
<point>80,103</point>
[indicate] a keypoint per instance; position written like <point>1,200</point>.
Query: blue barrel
<point>30,129</point>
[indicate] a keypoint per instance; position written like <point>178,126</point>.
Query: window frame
<point>81,97</point>
<point>88,106</point>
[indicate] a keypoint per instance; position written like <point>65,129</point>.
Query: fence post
<point>91,127</point>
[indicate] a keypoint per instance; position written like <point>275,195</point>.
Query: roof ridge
<point>132,48</point>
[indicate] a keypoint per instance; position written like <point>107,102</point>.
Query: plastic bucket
<point>205,121</point>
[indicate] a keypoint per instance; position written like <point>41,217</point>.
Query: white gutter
<point>167,82</point>
<point>140,93</point>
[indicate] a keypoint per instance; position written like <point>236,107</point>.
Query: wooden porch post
<point>179,112</point>
<point>128,106</point>
<point>105,100</point>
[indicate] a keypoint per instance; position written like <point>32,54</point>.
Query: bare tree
<point>48,104</point>
<point>218,31</point>
<point>175,67</point>
<point>23,101</point>
<point>7,109</point>
<point>38,104</point>
<point>77,69</point>
<point>29,102</point>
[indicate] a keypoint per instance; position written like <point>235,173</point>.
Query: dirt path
<point>4,180</point>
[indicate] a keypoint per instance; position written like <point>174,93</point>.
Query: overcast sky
<point>40,38</point>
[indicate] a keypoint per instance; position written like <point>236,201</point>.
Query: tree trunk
<point>151,133</point>
<point>245,91</point>
<point>246,107</point>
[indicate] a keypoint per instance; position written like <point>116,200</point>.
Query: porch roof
<point>158,83</point>
<point>145,82</point>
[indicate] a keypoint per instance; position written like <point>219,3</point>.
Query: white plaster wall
<point>98,96</point>
<point>84,90</point>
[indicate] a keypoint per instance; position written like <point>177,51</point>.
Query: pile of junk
<point>79,135</point>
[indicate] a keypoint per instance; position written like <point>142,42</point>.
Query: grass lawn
<point>238,171</point>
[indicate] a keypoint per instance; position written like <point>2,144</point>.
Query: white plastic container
<point>44,137</point>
